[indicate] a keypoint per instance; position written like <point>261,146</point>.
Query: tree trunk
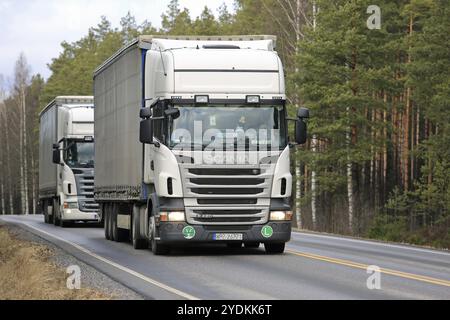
<point>2,195</point>
<point>8,164</point>
<point>313,149</point>
<point>313,186</point>
<point>33,182</point>
<point>21,147</point>
<point>25,153</point>
<point>406,118</point>
<point>298,194</point>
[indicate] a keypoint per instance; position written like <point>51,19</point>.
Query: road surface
<point>314,267</point>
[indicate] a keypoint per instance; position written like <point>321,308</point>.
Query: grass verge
<point>28,273</point>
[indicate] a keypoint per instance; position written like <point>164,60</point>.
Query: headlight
<point>70,205</point>
<point>281,215</point>
<point>172,216</point>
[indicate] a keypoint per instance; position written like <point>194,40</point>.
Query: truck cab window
<point>158,125</point>
<point>79,154</point>
<point>262,126</point>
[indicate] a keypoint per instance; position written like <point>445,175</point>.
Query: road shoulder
<point>90,277</point>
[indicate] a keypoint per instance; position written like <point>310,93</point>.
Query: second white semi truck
<point>66,161</point>
<point>192,143</point>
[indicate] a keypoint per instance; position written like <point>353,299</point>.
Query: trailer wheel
<point>110,221</point>
<point>113,222</point>
<point>106,219</point>
<point>118,235</point>
<point>136,239</point>
<point>155,245</point>
<point>274,248</point>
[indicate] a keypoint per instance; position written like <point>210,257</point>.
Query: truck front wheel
<point>155,245</point>
<point>55,210</point>
<point>64,224</point>
<point>274,248</point>
<point>45,211</point>
<point>136,239</point>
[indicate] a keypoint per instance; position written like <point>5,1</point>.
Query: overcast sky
<point>37,27</point>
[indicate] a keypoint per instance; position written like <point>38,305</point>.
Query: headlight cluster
<point>172,216</point>
<point>280,216</point>
<point>70,205</point>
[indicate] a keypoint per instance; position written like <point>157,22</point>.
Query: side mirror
<point>301,132</point>
<point>146,131</point>
<point>172,112</point>
<point>56,156</point>
<point>303,113</point>
<point>145,113</point>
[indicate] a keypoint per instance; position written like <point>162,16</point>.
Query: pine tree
<point>206,23</point>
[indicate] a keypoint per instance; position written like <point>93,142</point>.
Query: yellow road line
<point>353,264</point>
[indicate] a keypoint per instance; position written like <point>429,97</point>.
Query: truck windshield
<point>79,154</point>
<point>230,127</point>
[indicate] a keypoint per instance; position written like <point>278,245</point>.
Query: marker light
<point>253,99</point>
<point>173,216</point>
<point>281,215</point>
<point>202,99</point>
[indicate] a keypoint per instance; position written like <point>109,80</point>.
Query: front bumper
<point>172,232</point>
<point>77,215</point>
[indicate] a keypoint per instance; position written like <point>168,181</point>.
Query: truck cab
<point>215,149</point>
<point>67,161</point>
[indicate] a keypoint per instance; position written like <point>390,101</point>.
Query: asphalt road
<point>313,267</point>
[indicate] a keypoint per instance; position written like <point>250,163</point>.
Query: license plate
<point>228,236</point>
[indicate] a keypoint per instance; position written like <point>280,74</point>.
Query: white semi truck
<point>192,144</point>
<point>66,161</point>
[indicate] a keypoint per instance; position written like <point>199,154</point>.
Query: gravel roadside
<point>90,277</point>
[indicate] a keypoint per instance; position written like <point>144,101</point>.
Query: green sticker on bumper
<point>267,231</point>
<point>188,232</point>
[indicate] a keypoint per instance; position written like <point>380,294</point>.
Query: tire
<point>118,235</point>
<point>156,247</point>
<point>234,245</point>
<point>64,224</point>
<point>113,222</point>
<point>55,214</point>
<point>251,245</point>
<point>136,239</point>
<point>274,248</point>
<point>106,219</point>
<point>45,211</point>
<point>108,209</point>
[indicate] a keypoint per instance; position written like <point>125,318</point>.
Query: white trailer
<point>209,159</point>
<point>66,161</point>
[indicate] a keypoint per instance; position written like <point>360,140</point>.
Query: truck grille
<point>228,216</point>
<point>230,195</point>
<point>85,190</point>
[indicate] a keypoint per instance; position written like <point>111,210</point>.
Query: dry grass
<point>27,273</point>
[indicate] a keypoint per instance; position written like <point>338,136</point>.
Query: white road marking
<point>118,266</point>
<point>301,234</point>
